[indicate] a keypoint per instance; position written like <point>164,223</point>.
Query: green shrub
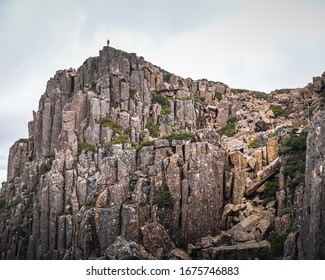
<point>127,130</point>
<point>230,128</point>
<point>278,111</point>
<point>84,146</point>
<point>200,121</point>
<point>165,111</point>
<point>261,95</point>
<point>178,136</point>
<point>163,198</point>
<point>22,232</point>
<point>294,143</point>
<point>238,90</point>
<point>14,203</point>
<point>153,129</point>
<point>23,140</point>
<point>286,210</point>
<point>252,144</point>
<point>90,203</point>
<point>121,139</point>
<point>294,168</point>
<point>277,244</point>
<point>145,144</point>
<point>161,99</point>
<point>50,155</point>
<point>283,90</point>
<point>132,93</point>
<point>270,190</point>
<point>218,95</point>
<point>113,125</point>
<point>29,210</point>
<point>198,99</point>
<point>166,75</point>
<point>92,86</point>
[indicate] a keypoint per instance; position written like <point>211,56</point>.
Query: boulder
<point>123,249</point>
<point>156,240</point>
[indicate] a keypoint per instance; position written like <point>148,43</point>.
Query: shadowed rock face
<point>127,161</point>
<point>312,236</point>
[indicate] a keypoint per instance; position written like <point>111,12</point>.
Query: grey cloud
<point>160,19</point>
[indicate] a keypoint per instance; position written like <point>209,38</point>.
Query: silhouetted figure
<point>107,42</point>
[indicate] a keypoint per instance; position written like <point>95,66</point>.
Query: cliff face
<point>312,238</point>
<point>126,161</point>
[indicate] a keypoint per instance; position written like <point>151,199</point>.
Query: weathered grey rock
<point>202,194</point>
<point>161,143</point>
<point>178,254</point>
<point>282,223</point>
<point>263,229</point>
<point>122,249</point>
<point>64,203</point>
<point>248,223</point>
<point>312,221</point>
<point>290,246</point>
<point>223,113</point>
<point>208,135</point>
<point>262,176</point>
<point>241,251</point>
<point>242,236</point>
<point>156,240</point>
<point>107,225</point>
<point>239,182</point>
<point>272,149</point>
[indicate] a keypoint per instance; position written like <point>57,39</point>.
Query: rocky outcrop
<point>312,222</point>
<point>127,161</point>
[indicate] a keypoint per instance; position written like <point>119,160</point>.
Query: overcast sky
<point>254,44</point>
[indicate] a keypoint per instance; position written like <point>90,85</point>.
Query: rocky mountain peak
<point>125,160</point>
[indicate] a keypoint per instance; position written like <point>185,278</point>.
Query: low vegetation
<point>161,99</point>
<point>253,93</point>
<point>92,86</point>
<point>84,146</point>
<point>50,155</point>
<point>164,102</point>
<point>29,210</point>
<point>278,111</point>
<point>218,95</point>
<point>23,140</point>
<point>295,148</point>
<point>286,210</point>
<point>261,95</point>
<point>277,244</point>
<point>121,139</point>
<point>252,144</point>
<point>113,125</point>
<point>132,94</point>
<point>127,130</point>
<point>270,190</point>
<point>14,203</point>
<point>166,75</point>
<point>230,128</point>
<point>144,144</point>
<point>163,198</point>
<point>90,203</point>
<point>198,99</point>
<point>152,127</point>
